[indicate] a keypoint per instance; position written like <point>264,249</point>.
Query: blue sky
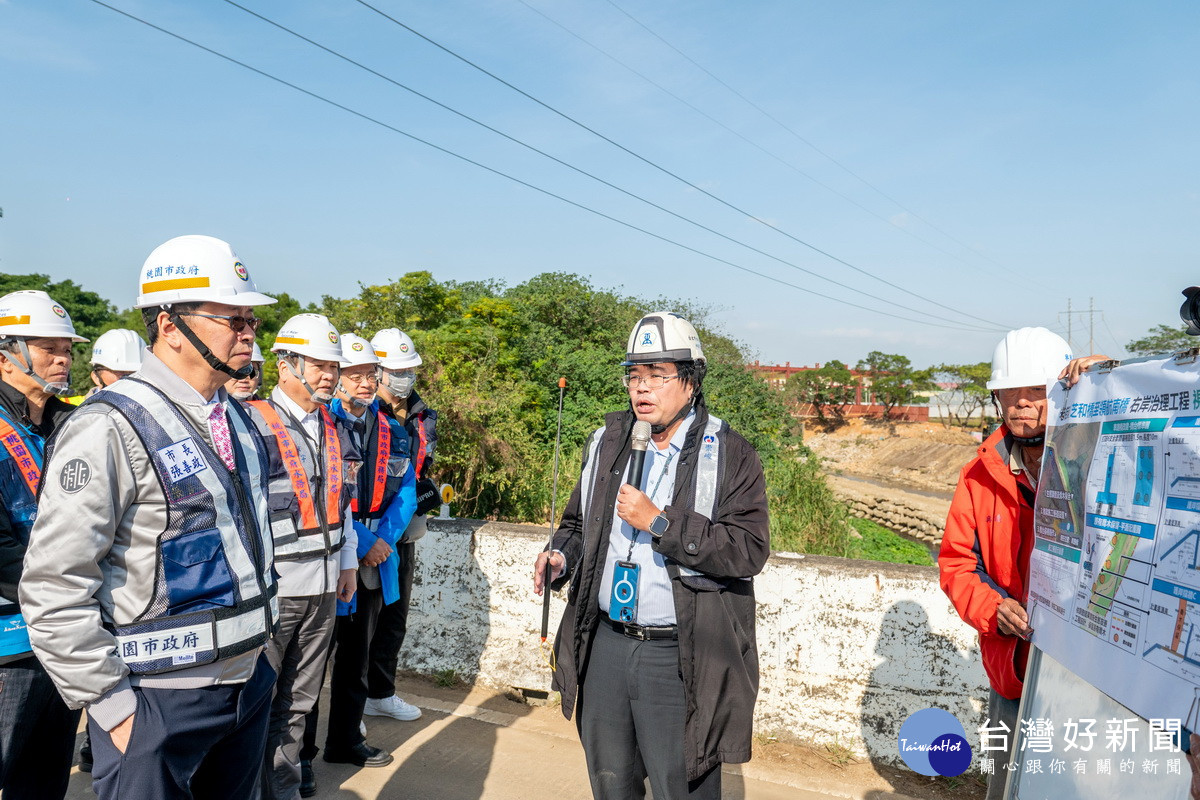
<point>994,158</point>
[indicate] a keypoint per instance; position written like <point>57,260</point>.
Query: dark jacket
<point>718,657</point>
<point>12,544</point>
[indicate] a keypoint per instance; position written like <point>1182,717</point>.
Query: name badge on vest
<point>180,645</point>
<point>181,459</point>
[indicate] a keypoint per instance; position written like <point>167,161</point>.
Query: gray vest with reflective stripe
<point>214,586</point>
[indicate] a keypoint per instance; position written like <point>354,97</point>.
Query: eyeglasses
<point>236,323</point>
<point>649,381</point>
<point>363,377</point>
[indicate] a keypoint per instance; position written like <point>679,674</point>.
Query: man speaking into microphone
<point>656,651</point>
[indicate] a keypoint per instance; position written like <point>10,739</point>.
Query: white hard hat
<point>119,350</point>
<point>395,349</point>
<point>1028,357</point>
<point>256,357</point>
<point>196,269</point>
<point>32,314</point>
<point>309,335</point>
<point>662,336</point>
<point>357,351</point>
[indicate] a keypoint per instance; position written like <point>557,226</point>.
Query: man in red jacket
<point>984,560</point>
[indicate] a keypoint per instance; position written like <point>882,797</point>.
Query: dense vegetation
<point>493,355</point>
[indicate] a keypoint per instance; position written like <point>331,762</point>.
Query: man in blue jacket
<point>384,504</point>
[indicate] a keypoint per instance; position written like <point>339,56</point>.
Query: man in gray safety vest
<point>313,467</point>
<point>656,650</point>
<point>149,586</point>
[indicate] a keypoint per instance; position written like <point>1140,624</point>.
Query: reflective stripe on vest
<point>708,472</point>
<point>25,458</point>
<point>306,537</point>
<point>214,594</point>
<point>20,486</point>
<point>423,441</point>
<point>379,471</point>
<point>331,466</point>
<point>587,478</point>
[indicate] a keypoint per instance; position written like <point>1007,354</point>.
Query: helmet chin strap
<point>205,353</point>
<point>57,388</point>
<point>321,398</point>
<point>1024,441</point>
<point>356,402</point>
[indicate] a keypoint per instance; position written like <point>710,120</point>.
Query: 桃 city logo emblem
<point>59,310</point>
<point>356,346</point>
<point>241,271</point>
<point>403,347</point>
<point>333,337</point>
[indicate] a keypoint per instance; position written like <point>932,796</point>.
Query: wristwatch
<point>659,525</point>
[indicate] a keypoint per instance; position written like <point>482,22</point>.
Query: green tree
<point>829,389</point>
<point>1162,339</point>
<point>894,382</point>
<point>972,395</point>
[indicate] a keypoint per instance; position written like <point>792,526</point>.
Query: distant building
<point>864,401</point>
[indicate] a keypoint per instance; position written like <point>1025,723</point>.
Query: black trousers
<point>189,743</point>
<point>390,630</point>
<point>37,733</point>
<point>348,683</point>
<point>631,718</point>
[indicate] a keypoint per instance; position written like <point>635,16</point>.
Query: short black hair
<point>692,372</point>
<point>150,317</point>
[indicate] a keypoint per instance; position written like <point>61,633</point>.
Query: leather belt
<point>645,632</point>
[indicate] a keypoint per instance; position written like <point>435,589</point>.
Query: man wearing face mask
<point>984,558</point>
<point>246,389</point>
<point>399,360</point>
<point>383,506</point>
<point>315,542</point>
<point>149,588</point>
<point>37,731</point>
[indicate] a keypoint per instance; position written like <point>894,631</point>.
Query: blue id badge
<point>622,606</point>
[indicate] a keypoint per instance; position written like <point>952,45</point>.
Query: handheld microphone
<point>639,440</point>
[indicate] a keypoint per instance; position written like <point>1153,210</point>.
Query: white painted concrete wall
<point>848,649</point>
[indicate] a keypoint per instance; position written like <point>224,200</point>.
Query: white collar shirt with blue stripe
<point>656,602</point>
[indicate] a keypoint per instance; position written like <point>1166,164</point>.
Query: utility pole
<point>1091,314</point>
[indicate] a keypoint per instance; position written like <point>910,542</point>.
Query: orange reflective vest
<point>315,525</point>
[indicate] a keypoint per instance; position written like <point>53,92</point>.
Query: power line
<point>655,165</point>
<point>572,167</point>
<point>514,179</point>
<point>805,141</point>
<point>742,136</point>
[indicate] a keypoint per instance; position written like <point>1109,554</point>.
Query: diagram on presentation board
<point>1115,571</point>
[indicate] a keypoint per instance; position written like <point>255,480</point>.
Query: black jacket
<point>715,611</point>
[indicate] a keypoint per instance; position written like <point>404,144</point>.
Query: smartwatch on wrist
<point>659,525</point>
